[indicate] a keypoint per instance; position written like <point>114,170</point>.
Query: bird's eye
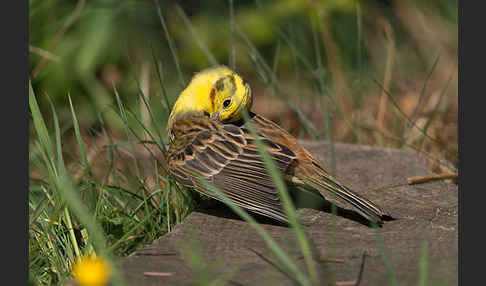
<point>226,103</point>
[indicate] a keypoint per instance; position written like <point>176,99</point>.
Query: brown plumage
<point>227,156</point>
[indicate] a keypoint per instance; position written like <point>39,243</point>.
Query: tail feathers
<point>363,206</point>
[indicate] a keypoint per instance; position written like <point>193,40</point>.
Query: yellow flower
<point>210,140</point>
<point>91,271</point>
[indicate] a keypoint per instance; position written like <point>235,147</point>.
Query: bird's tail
<point>331,189</point>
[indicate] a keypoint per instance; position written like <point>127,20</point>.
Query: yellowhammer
<point>210,140</point>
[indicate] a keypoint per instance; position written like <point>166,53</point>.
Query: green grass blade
<point>286,200</point>
<point>124,118</point>
<point>160,145</point>
<point>82,213</point>
<point>77,133</point>
<point>57,132</point>
<point>60,180</point>
<point>276,58</point>
<point>129,232</point>
<point>411,120</point>
<point>160,77</point>
<point>386,258</point>
<point>37,210</point>
<point>400,111</point>
<point>212,60</point>
<point>435,110</point>
<point>359,48</point>
<point>172,46</point>
<point>325,109</point>
<point>39,124</point>
<point>423,265</point>
<point>271,243</point>
<point>270,80</point>
<point>60,162</point>
<point>232,53</point>
<point>149,110</point>
<point>308,65</point>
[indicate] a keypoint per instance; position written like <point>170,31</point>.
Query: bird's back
<point>227,155</point>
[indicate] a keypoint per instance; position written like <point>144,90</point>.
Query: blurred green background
<point>87,49</point>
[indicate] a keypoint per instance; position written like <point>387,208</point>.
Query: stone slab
<point>233,253</point>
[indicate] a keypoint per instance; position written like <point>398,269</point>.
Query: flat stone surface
<point>234,254</point>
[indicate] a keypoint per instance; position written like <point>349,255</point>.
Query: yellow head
<point>217,92</point>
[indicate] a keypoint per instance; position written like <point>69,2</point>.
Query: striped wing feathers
<point>308,172</point>
<point>227,156</point>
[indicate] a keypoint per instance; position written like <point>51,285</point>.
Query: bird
<point>211,140</point>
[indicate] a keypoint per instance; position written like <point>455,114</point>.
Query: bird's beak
<point>215,116</point>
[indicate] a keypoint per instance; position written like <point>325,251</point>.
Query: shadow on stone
<point>219,209</point>
<point>312,200</point>
<point>300,199</point>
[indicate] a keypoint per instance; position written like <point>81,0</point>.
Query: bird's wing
<point>228,157</point>
<point>308,173</point>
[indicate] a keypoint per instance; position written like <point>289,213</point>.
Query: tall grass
<point>74,214</point>
<point>65,199</point>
